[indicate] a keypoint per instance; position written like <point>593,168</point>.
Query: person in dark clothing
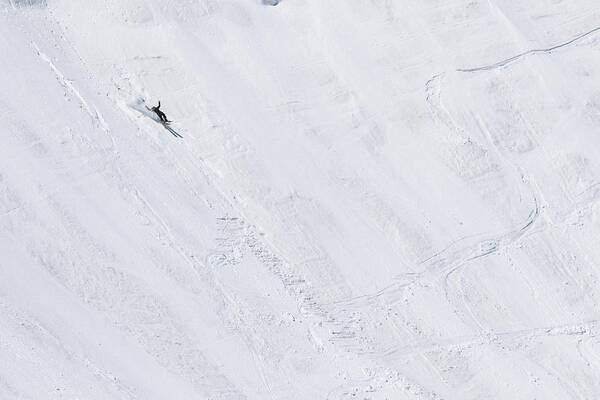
<point>161,115</point>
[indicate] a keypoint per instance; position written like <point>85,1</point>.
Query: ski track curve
<point>529,52</point>
<point>453,258</point>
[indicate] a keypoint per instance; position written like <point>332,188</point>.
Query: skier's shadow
<point>140,107</point>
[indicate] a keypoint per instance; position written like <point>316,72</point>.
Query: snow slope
<point>372,199</point>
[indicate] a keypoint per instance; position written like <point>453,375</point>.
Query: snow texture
<point>371,199</point>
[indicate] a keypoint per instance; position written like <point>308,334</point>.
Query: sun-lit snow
<point>372,199</point>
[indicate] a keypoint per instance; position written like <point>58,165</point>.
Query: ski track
<point>93,113</point>
<point>492,245</point>
<point>520,337</point>
<point>440,265</point>
<point>529,52</point>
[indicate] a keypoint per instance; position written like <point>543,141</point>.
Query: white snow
<point>372,199</point>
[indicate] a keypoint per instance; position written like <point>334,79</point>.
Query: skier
<point>161,115</point>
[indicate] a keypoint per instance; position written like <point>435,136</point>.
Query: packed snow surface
<point>371,199</point>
